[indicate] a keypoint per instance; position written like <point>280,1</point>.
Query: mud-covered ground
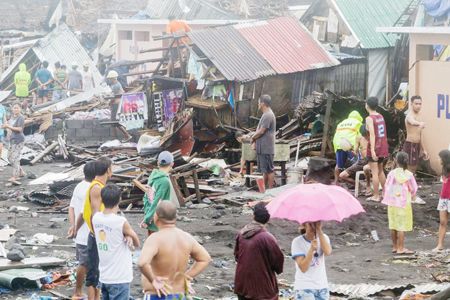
<point>356,257</point>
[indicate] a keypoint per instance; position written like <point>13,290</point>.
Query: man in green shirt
<point>159,189</point>
<point>60,86</point>
<point>22,81</point>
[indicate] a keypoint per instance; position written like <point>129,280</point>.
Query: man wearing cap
<point>159,189</point>
<point>344,141</point>
<point>88,78</point>
<point>75,79</point>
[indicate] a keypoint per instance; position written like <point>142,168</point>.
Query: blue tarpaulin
<point>437,8</point>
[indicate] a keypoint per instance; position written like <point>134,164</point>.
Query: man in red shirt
<point>377,150</point>
<point>259,259</point>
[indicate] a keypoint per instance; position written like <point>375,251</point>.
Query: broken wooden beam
<point>44,153</point>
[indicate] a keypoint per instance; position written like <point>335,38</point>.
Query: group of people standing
<point>55,86</point>
<point>105,240</point>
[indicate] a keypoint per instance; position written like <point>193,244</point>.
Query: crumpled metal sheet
<point>430,288</point>
<point>43,198</point>
<point>363,290</point>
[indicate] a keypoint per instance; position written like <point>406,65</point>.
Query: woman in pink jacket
<point>400,188</point>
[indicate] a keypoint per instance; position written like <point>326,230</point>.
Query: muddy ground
<point>356,257</point>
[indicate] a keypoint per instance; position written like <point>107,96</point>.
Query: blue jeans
<point>119,291</point>
<point>323,294</point>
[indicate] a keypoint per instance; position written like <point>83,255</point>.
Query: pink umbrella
<point>314,202</point>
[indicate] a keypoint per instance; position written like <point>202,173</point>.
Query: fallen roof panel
<point>286,44</point>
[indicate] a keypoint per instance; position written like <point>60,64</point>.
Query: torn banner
<point>133,111</point>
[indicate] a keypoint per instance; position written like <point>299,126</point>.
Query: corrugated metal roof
<point>363,290</point>
<point>235,58</point>
<point>198,9</point>
<point>286,44</point>
<point>62,45</point>
<point>364,16</point>
<point>248,51</point>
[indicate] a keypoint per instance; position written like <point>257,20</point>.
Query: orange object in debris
<point>261,185</point>
<point>400,104</point>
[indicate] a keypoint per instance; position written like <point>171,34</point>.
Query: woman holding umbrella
<point>309,251</point>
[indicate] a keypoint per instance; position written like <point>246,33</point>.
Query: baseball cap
<point>165,158</point>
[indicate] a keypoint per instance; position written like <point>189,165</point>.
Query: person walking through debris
<point>344,142</point>
<point>75,80</point>
<point>399,189</point>
<point>159,189</point>
<point>361,164</point>
<point>14,128</point>
<point>378,149</point>
<point>309,251</point>
<point>81,236</point>
<point>265,140</point>
<point>43,79</point>
<point>259,259</point>
<point>88,78</point>
<point>115,241</point>
<point>22,81</point>
<point>444,201</point>
<point>413,144</point>
<point>177,28</point>
<point>93,204</point>
<point>165,256</point>
<point>60,80</point>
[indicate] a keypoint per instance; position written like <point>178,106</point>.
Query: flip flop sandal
<point>16,183</point>
<point>372,199</point>
<point>407,252</point>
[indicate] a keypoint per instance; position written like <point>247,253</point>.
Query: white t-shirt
<point>316,276</point>
<point>88,80</point>
<point>77,202</point>
<point>116,264</point>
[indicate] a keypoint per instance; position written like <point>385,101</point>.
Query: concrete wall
<point>82,131</point>
<point>430,80</point>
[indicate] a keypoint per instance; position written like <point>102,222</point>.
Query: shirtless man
<point>165,256</point>
<point>413,144</point>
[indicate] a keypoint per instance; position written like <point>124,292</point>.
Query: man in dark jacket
<point>259,259</point>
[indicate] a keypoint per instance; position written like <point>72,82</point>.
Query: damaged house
<point>278,57</point>
<point>349,26</point>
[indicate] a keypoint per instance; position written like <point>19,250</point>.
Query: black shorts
<point>380,160</point>
<point>114,109</point>
<point>93,274</point>
<point>265,163</point>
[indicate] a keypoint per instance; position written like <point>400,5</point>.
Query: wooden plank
<point>6,264</point>
<point>326,127</point>
<point>197,189</point>
<point>44,153</point>
<point>177,191</point>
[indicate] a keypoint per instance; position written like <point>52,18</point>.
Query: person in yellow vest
<point>22,81</point>
<point>93,204</point>
<point>344,141</point>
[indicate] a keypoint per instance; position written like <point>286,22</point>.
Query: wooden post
<point>197,189</point>
<point>283,173</point>
<point>247,172</point>
<point>326,127</point>
<point>184,186</point>
<point>177,190</point>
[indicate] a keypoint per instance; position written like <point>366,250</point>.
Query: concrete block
<point>71,134</point>
<point>77,124</point>
<point>58,124</point>
<point>83,133</point>
<point>89,123</point>
<point>101,132</point>
<point>51,133</point>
